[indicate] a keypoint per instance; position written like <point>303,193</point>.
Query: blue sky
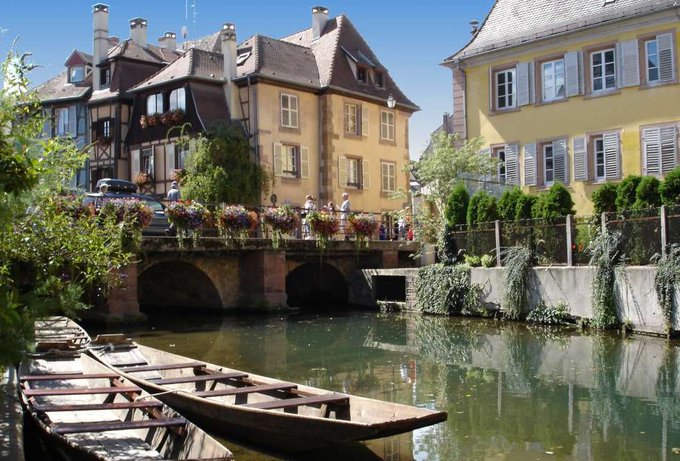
<point>410,38</point>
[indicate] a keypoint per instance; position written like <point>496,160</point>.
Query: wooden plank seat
<point>199,378</point>
<point>80,391</point>
<point>168,366</point>
<point>143,404</point>
<point>314,400</point>
<point>123,365</point>
<point>61,376</point>
<point>248,390</point>
<point>105,426</point>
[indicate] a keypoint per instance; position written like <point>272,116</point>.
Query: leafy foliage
<point>457,205</point>
<point>670,188</point>
<point>647,193</point>
<point>666,281</point>
<point>507,205</point>
<point>524,206</point>
<point>482,208</point>
<point>548,314</point>
<point>444,290</point>
<point>556,203</point>
<point>604,198</point>
<point>488,261</point>
<point>626,193</point>
<point>606,257</point>
<point>517,266</point>
<point>221,169</point>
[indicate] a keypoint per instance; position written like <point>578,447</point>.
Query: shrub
<point>488,261</point>
<point>549,315</point>
<point>447,247</point>
<point>647,193</point>
<point>557,202</point>
<point>508,203</point>
<point>604,198</point>
<point>524,206</point>
<point>482,208</point>
<point>457,205</point>
<point>473,260</point>
<point>666,282</point>
<point>670,188</point>
<point>517,261</point>
<point>443,290</point>
<point>626,193</point>
<point>606,257</point>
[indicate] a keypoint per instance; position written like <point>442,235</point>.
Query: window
<point>379,79</point>
<point>362,74</point>
<point>242,58</point>
<point>505,89</point>
<point>81,120</point>
<point>177,99</point>
<point>387,125</point>
<point>603,70</point>
<point>62,121</point>
<point>154,104</point>
<point>599,157</point>
<point>147,161</point>
<point>105,129</point>
<point>502,170</point>
<point>660,149</point>
<point>105,76</point>
<point>652,53</point>
<point>289,111</point>
<point>181,153</point>
<point>553,80</point>
<point>388,176</point>
<point>352,119</point>
<point>290,160</point>
<point>353,172</point>
<point>548,164</point>
<point>76,74</point>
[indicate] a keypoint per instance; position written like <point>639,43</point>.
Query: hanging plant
<point>143,122</point>
<point>517,267</point>
<point>143,179</point>
<point>606,257</point>
<point>324,226</point>
<point>131,216</point>
<point>177,116</point>
<point>363,226</point>
<point>234,222</point>
<point>152,120</point>
<point>665,281</point>
<point>282,221</point>
<point>189,218</point>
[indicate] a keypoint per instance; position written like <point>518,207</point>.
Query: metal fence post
<point>570,252</point>
<point>664,230</point>
<point>499,261</point>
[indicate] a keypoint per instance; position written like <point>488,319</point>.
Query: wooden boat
<point>256,409</point>
<point>59,335</point>
<point>87,411</point>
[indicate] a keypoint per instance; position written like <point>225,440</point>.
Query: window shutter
<point>572,74</point>
<point>47,127</point>
<point>365,175</point>
<point>342,171</point>
<point>666,59</point>
<point>169,160</point>
<point>532,80</point>
<point>611,155</point>
<point>580,159</point>
<point>651,141</point>
<point>629,63</point>
<point>134,163</point>
<point>304,162</point>
<point>364,121</point>
<point>278,161</point>
<point>669,142</point>
<point>72,121</point>
<point>512,163</point>
<point>530,165</point>
<point>560,160</point>
<point>522,73</point>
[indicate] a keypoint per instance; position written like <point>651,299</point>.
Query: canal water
<point>512,392</point>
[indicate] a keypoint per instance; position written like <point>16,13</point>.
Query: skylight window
<point>242,58</point>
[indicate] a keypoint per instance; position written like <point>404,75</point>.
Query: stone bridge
<point>253,276</point>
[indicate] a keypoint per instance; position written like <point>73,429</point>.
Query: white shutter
<point>669,143</point>
<point>572,74</point>
<point>365,175</point>
<point>522,74</point>
<point>169,160</point>
<point>134,163</point>
<point>72,121</point>
<point>532,81</point>
<point>530,165</point>
<point>304,162</point>
<point>278,160</point>
<point>560,160</point>
<point>580,159</point>
<point>651,142</point>
<point>342,171</point>
<point>666,58</point>
<point>512,164</point>
<point>611,155</point>
<point>629,63</point>
<point>364,121</point>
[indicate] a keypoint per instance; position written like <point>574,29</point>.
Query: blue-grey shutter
<point>523,85</point>
<point>651,148</point>
<point>512,164</point>
<point>580,159</point>
<point>560,160</point>
<point>666,57</point>
<point>669,152</point>
<point>628,63</point>
<point>611,155</point>
<point>72,122</point>
<point>530,164</point>
<point>572,74</point>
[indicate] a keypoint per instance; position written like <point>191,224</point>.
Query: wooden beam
<point>105,426</point>
<point>144,404</point>
<point>80,391</point>
<point>63,376</point>
<point>265,388</point>
<point>169,366</point>
<point>199,378</point>
<point>315,400</point>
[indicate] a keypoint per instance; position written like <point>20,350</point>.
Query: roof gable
<point>78,58</point>
<point>193,63</point>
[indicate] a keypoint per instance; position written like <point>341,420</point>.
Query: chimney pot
<point>168,40</point>
<point>100,36</point>
<point>229,54</point>
<point>319,20</point>
<point>138,29</point>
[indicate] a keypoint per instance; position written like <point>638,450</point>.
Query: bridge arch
<point>316,285</point>
<point>174,283</point>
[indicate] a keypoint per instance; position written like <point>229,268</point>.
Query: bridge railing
<point>391,225</point>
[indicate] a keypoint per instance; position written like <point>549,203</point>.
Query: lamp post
<point>391,102</point>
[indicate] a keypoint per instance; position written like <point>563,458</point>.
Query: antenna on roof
<point>184,31</point>
<point>474,24</point>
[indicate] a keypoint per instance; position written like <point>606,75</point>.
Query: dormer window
<point>242,58</point>
<point>105,77</point>
<point>178,99</point>
<point>362,74</point>
<point>76,74</point>
<point>379,79</point>
<point>154,104</point>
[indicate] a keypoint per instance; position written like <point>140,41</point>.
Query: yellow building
<point>578,91</point>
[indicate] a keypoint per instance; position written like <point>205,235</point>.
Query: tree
<point>556,203</point>
<point>670,188</point>
<point>626,193</point>
<point>604,198</point>
<point>52,251</point>
<point>457,205</point>
<point>647,193</point>
<point>482,208</point>
<point>507,205</point>
<point>221,169</point>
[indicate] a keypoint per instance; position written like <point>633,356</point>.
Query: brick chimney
<point>138,29</point>
<point>228,37</point>
<point>168,40</point>
<point>100,34</point>
<point>319,20</point>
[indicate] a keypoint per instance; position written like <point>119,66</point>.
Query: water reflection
<point>512,392</point>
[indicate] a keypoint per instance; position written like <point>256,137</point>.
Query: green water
<point>511,392</point>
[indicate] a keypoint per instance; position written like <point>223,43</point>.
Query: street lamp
<point>391,102</point>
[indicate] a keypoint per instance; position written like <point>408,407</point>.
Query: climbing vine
<point>605,257</point>
<point>445,290</point>
<point>665,281</point>
<point>517,265</point>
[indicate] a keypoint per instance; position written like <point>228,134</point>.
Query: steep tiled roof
<point>193,63</point>
<point>209,43</point>
<point>151,53</point>
<point>280,60</point>
<point>511,23</point>
<point>58,88</point>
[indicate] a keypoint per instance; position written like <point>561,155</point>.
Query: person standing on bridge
<point>344,215</point>
<point>174,195</point>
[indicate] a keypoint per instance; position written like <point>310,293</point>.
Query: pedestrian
<point>401,227</point>
<point>330,208</point>
<point>308,207</point>
<point>174,195</point>
<point>409,232</point>
<point>344,214</point>
<point>382,232</point>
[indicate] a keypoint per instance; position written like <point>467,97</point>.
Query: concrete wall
<point>635,293</point>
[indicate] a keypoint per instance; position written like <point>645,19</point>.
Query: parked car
<point>159,221</point>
